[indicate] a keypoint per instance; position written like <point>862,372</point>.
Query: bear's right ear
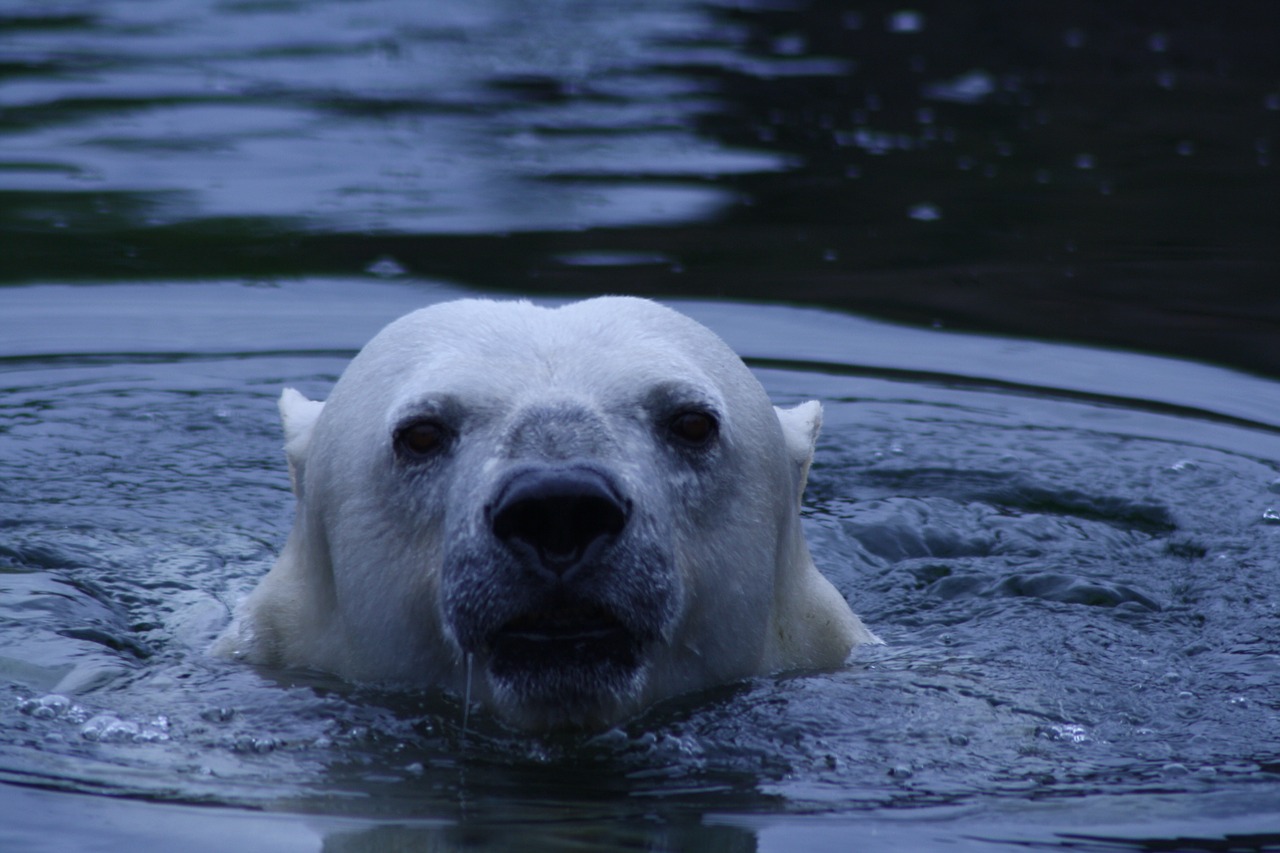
<point>298,414</point>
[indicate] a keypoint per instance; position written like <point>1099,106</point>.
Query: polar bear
<point>576,511</point>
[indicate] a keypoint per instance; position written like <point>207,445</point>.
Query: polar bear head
<point>587,508</point>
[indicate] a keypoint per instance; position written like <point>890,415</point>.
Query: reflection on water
<point>1091,172</point>
<point>1069,553</point>
<point>370,117</point>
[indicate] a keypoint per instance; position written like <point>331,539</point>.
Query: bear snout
<point>558,519</point>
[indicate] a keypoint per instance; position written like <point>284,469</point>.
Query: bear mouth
<point>564,648</point>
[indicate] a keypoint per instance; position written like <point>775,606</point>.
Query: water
<point>1092,173</point>
<point>1075,578</point>
<point>1071,552</point>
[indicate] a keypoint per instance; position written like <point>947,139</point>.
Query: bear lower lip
<point>567,623</point>
<point>568,638</point>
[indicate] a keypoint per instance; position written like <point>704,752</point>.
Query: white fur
<point>357,589</point>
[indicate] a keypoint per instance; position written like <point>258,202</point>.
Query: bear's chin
<point>567,665</point>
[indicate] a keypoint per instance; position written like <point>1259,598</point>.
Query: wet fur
<point>392,573</point>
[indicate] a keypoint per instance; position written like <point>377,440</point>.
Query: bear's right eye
<point>694,428</point>
<point>421,439</point>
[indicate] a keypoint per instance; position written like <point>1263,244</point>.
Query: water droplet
<point>1166,79</point>
<point>1065,732</point>
<point>218,715</point>
<point>1272,101</point>
<point>104,728</point>
<point>900,771</point>
<point>46,707</point>
<point>1271,515</point>
<point>249,743</point>
<point>385,267</point>
<point>905,21</point>
<point>830,255</point>
<point>156,731</point>
<point>610,258</point>
<point>1274,486</point>
<point>925,212</point>
<point>1074,37</point>
<point>1084,161</point>
<point>791,44</point>
<point>1159,42</point>
<point>466,698</point>
<point>1176,769</point>
<point>1186,148</point>
<point>970,88</point>
<point>1184,465</point>
<point>1043,176</point>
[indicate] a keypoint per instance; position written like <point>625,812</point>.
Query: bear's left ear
<point>800,426</point>
<point>298,414</point>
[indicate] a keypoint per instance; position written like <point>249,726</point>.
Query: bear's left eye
<point>695,427</point>
<point>420,439</point>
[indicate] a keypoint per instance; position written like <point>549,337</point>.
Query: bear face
<point>590,508</point>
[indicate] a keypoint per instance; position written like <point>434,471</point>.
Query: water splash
<point>466,698</point>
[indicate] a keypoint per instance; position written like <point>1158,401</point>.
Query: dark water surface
<point>1093,171</point>
<point>1072,553</point>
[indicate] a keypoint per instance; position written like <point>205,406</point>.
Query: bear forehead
<point>497,329</point>
<point>616,346</point>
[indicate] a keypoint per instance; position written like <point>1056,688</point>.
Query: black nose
<point>558,519</point>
